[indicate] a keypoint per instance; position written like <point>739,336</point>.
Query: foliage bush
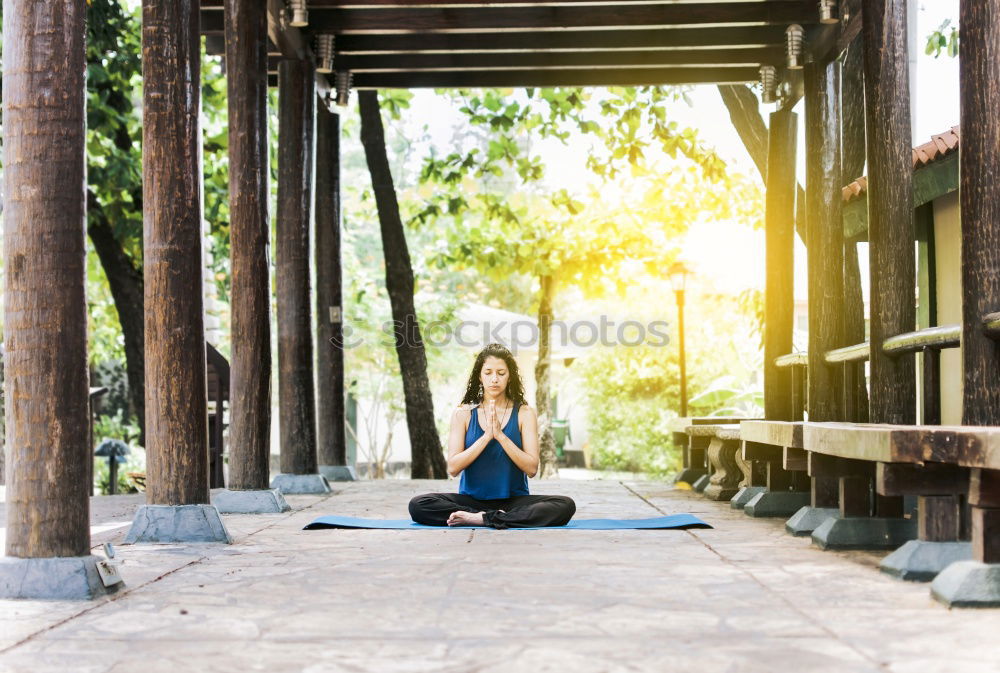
<point>632,392</point>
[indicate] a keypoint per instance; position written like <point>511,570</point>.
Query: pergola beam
<point>495,61</point>
<point>410,4</point>
<point>548,41</point>
<point>607,16</point>
<point>543,78</point>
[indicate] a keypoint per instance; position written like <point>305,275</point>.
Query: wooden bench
<point>694,449</point>
<point>772,451</point>
<point>935,464</point>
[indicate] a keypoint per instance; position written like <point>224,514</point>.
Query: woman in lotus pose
<point>493,442</point>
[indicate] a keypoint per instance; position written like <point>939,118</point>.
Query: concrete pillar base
<point>177,523</point>
<point>745,495</point>
<point>776,503</point>
<point>968,584</point>
<point>62,578</point>
<point>689,475</point>
<point>921,561</point>
<point>301,484</point>
<point>269,501</point>
<point>808,519</point>
<point>864,533</point>
<point>700,484</point>
<point>338,472</point>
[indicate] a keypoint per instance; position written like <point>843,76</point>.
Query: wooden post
<point>890,207</point>
<point>45,303</point>
<point>296,394</point>
<point>176,395</point>
<point>825,232</point>
<point>852,97</point>
<point>330,428</point>
<point>979,76</point>
<point>250,398</point>
<point>779,302</point>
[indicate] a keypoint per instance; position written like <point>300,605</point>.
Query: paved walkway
<point>741,597</point>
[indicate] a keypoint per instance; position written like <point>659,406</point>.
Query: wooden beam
<point>330,415</point>
<point>491,61</point>
<point>940,518</point>
<point>45,302</point>
<point>250,235</point>
<point>176,395</point>
<point>622,16</point>
<point>575,40</point>
<point>288,41</point>
<point>408,4</point>
<point>779,303</point>
<point>921,479</point>
<point>544,78</point>
<point>825,233</point>
<point>540,78</point>
<point>979,75</point>
<point>296,391</point>
<point>890,208</point>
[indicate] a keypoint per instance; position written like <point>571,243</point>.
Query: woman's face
<point>494,376</point>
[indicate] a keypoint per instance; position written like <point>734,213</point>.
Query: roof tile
<point>938,147</point>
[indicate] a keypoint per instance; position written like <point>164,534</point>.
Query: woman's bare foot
<point>461,518</point>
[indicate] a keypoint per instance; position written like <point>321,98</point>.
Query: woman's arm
<point>460,457</point>
<point>526,459</point>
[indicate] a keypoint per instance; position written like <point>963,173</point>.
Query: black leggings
<point>519,511</point>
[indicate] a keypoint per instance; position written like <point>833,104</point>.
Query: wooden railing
<point>929,341</point>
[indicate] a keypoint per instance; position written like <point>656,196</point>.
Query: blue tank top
<point>493,475</point>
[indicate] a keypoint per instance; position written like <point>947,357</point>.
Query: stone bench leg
<point>976,583</point>
<point>942,520</point>
<point>786,493</point>
<point>824,503</point>
<point>726,475</point>
<point>859,524</point>
<point>753,483</point>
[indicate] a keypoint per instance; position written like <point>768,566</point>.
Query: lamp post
<point>678,279</point>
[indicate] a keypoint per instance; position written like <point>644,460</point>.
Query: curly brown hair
<point>515,388</point>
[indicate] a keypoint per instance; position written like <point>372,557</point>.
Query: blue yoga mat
<point>659,522</point>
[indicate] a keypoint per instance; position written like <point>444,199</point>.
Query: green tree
<point>943,39</point>
<point>503,222</point>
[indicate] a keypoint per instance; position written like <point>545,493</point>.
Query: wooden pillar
<point>779,302</point>
<point>825,233</point>
<point>45,303</point>
<point>296,393</point>
<point>890,207</point>
<point>176,396</point>
<point>979,77</point>
<point>330,428</point>
<point>852,101</point>
<point>250,405</point>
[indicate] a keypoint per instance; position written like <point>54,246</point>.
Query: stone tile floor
<point>741,597</point>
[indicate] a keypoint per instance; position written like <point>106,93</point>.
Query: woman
<point>493,442</point>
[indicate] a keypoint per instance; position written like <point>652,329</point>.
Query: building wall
<point>948,248</point>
